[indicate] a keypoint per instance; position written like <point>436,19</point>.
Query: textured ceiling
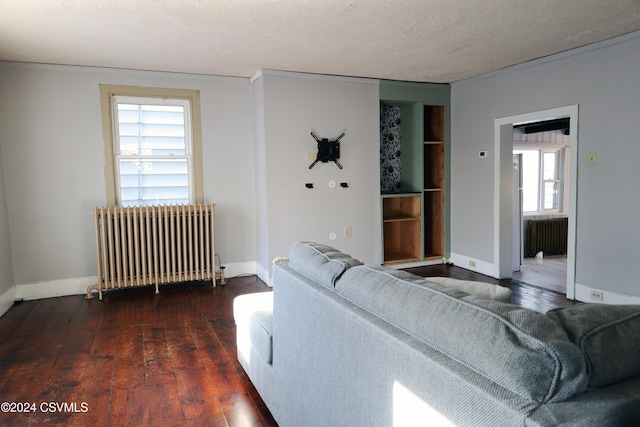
<point>428,40</point>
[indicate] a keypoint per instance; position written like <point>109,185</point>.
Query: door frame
<point>503,189</point>
<point>516,215</point>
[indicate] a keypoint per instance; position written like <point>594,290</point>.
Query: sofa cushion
<point>481,289</point>
<point>253,314</point>
<point>319,262</point>
<point>521,350</point>
<point>599,328</point>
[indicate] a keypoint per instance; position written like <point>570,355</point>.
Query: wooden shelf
<point>402,219</point>
<point>434,182</point>
<point>434,123</point>
<point>403,206</point>
<point>434,223</point>
<point>433,160</point>
<point>399,258</point>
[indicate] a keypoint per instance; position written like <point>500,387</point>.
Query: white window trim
<point>563,172</point>
<point>560,180</point>
<point>107,92</point>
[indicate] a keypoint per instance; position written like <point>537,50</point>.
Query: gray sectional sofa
<point>338,343</point>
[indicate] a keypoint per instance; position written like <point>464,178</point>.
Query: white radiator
<point>153,245</point>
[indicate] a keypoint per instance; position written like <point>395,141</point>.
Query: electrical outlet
<point>596,295</point>
<point>472,264</point>
<point>311,156</point>
<point>347,231</point>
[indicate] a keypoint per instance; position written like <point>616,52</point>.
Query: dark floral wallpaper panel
<point>390,135</point>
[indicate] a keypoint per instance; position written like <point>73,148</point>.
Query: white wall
<point>6,269</point>
<point>291,106</point>
<point>53,158</point>
<point>603,81</point>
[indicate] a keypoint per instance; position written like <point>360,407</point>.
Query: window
<point>152,151</point>
<point>550,181</point>
<point>152,145</point>
<point>543,172</point>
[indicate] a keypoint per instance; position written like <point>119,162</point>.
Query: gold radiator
<point>153,245</point>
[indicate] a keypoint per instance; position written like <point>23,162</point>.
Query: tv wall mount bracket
<point>328,151</point>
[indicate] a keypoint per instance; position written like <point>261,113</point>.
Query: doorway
<point>541,156</point>
<point>505,197</point>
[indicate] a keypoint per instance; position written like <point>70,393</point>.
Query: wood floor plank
<point>13,349</point>
<point>13,318</point>
<point>156,351</point>
<point>220,368</point>
<point>62,385</point>
<point>164,402</point>
<point>37,318</point>
<point>241,411</point>
<point>22,386</point>
<point>193,386</point>
<point>87,315</point>
<point>128,395</point>
<point>96,384</point>
<point>246,406</point>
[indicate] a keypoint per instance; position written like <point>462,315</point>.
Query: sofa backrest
<point>319,262</point>
<point>521,350</point>
<point>609,337</point>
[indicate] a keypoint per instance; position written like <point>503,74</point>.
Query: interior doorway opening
<point>504,190</point>
<point>541,164</point>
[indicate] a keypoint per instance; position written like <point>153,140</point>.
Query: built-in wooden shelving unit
<point>415,219</point>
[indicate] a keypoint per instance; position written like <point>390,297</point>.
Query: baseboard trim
<point>55,288</point>
<point>472,264</point>
<point>583,293</point>
<point>263,274</point>
<point>239,269</point>
<point>7,299</point>
<point>78,286</point>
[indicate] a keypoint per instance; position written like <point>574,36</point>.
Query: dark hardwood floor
<point>524,294</point>
<point>137,358</point>
<point>134,359</point>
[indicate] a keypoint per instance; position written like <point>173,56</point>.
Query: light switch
<point>592,158</point>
